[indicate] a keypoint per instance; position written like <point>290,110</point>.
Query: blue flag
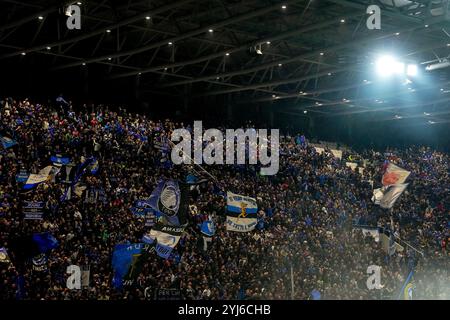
<point>59,160</point>
<point>124,256</point>
<point>7,142</point>
<point>45,241</point>
<point>208,228</point>
<point>408,288</point>
<point>169,199</point>
<point>140,211</point>
<point>315,294</point>
<point>94,166</point>
<point>22,176</point>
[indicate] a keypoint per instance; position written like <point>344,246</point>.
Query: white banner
<point>394,175</point>
<point>241,224</point>
<point>167,239</point>
<point>387,196</point>
<point>319,150</point>
<point>337,153</point>
<point>351,165</point>
<point>40,177</point>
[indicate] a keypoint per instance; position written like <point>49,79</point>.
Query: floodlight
<point>387,66</point>
<point>411,70</point>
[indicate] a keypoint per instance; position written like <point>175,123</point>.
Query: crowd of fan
<point>304,242</point>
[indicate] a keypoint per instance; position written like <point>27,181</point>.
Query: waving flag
<point>386,197</point>
<point>45,241</point>
<point>241,213</point>
<point>125,262</point>
<point>59,160</point>
<point>208,228</point>
<point>35,179</point>
<point>408,288</point>
<point>94,166</point>
<point>394,175</point>
<point>169,199</point>
<point>7,142</point>
<point>166,238</point>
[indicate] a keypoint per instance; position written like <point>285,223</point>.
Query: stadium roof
<point>318,56</point>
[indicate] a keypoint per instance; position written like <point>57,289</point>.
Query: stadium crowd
<point>305,243</point>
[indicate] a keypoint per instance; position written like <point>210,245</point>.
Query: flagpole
<point>192,161</point>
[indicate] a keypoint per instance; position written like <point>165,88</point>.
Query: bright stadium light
<point>388,65</point>
<point>411,70</point>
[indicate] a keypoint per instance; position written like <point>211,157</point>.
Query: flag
<point>241,213</point>
<point>22,176</point>
<point>392,247</point>
<point>394,175</point>
<point>142,208</point>
<point>7,142</point>
<point>68,174</point>
<point>45,241</point>
<point>94,166</point>
<point>35,179</point>
<point>127,262</point>
<point>208,228</point>
<point>386,196</point>
<point>33,210</point>
<point>170,200</point>
<point>73,177</point>
<point>4,258</point>
<point>166,238</point>
<point>59,160</point>
<point>194,180</point>
<point>40,262</point>
<point>388,243</point>
<point>316,295</point>
<point>140,211</point>
<point>337,153</point>
<point>319,150</point>
<point>351,165</point>
<point>82,168</point>
<point>407,290</point>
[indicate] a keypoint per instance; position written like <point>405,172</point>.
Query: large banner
<point>241,213</point>
<point>127,262</point>
<point>7,142</point>
<point>319,150</point>
<point>351,165</point>
<point>166,238</point>
<point>35,179</point>
<point>33,210</point>
<point>386,197</point>
<point>394,175</point>
<point>170,199</point>
<point>337,153</point>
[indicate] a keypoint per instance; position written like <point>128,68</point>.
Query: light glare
<point>411,70</point>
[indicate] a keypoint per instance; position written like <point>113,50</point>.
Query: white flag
<point>386,197</point>
<point>394,175</point>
